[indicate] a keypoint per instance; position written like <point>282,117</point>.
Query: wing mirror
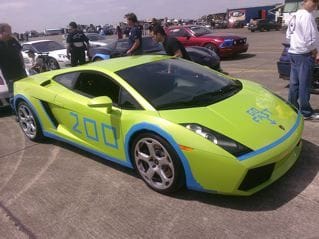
<point>101,102</point>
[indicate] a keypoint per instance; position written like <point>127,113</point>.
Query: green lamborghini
<point>175,122</point>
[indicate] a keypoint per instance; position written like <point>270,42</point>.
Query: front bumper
<point>233,50</point>
<point>225,175</point>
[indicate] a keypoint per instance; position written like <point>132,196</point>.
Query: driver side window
<point>92,85</point>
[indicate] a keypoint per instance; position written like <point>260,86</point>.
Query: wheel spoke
<point>150,147</point>
<point>143,156</point>
<point>163,161</point>
<point>24,112</point>
<point>164,178</point>
<point>150,173</point>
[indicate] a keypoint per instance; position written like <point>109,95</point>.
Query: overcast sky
<point>40,14</point>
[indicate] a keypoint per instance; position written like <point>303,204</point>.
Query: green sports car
<point>176,122</point>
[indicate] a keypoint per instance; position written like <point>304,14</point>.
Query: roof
<point>121,63</point>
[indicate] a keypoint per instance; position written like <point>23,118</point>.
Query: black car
<point>118,48</point>
<point>263,25</point>
<point>283,66</point>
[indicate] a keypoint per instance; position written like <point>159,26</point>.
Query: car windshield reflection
<point>47,46</point>
<point>176,83</point>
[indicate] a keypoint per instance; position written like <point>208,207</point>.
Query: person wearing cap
<point>77,43</point>
<point>11,60</point>
<point>135,35</point>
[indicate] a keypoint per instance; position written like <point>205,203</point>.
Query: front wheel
<point>29,122</point>
<point>211,47</point>
<point>157,163</point>
<point>97,59</point>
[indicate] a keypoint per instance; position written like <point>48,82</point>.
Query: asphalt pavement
<point>53,190</point>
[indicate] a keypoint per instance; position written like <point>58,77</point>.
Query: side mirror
<point>101,102</point>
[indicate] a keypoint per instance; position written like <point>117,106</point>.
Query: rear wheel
<point>52,64</point>
<point>157,163</point>
<point>28,121</point>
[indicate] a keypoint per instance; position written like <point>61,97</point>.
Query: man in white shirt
<point>304,44</point>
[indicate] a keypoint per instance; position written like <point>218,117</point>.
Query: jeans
<point>301,74</point>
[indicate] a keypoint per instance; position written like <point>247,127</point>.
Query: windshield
<point>199,31</point>
<point>47,46</point>
<point>176,84</point>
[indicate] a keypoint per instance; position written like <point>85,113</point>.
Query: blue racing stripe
<point>274,144</point>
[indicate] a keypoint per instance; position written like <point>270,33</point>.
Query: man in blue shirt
<point>135,35</point>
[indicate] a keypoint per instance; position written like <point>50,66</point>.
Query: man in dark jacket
<point>11,60</point>
<point>77,43</point>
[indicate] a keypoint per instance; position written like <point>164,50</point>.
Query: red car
<point>225,45</point>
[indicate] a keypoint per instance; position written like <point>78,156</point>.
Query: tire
<point>28,121</point>
<point>52,64</point>
<point>97,59</point>
<point>157,163</point>
<point>211,47</point>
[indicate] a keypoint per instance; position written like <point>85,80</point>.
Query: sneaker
<point>314,116</point>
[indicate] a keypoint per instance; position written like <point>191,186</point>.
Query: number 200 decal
<point>91,128</point>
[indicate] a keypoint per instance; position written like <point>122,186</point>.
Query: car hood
<point>254,116</point>
<point>221,36</point>
<point>98,43</point>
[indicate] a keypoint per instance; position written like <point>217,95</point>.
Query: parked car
<point>200,55</point>
<point>225,45</point>
<point>283,66</point>
<point>96,39</point>
<point>263,25</point>
<point>175,122</point>
<point>4,93</point>
<point>53,49</point>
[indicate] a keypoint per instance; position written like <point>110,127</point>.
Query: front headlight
<point>228,144</point>
<point>227,43</point>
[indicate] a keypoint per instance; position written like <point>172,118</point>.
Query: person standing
<point>171,45</point>
<point>77,43</point>
<point>135,35</point>
<point>11,60</point>
<point>304,44</point>
<point>119,32</point>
